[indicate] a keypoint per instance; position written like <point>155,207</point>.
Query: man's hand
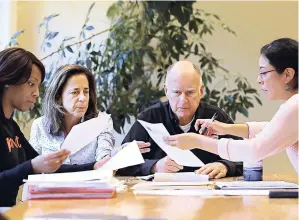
<point>49,163</point>
<point>166,165</point>
<point>214,170</point>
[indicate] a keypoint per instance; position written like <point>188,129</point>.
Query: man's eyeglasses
<point>262,74</point>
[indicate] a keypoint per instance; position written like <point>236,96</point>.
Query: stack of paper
<point>86,184</point>
<point>180,177</point>
<point>172,186</point>
<point>71,214</point>
<point>190,189</point>
<point>255,185</point>
<point>98,183</point>
<point>70,190</point>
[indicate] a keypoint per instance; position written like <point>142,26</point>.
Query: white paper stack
<point>256,185</point>
<point>161,186</point>
<point>92,184</point>
<point>180,177</point>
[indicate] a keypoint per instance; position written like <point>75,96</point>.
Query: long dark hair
<point>52,110</point>
<point>16,66</point>
<point>281,54</point>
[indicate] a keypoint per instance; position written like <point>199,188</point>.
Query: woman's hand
<point>185,141</point>
<point>49,163</point>
<point>213,127</point>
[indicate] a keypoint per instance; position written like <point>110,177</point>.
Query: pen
<point>202,130</point>
<point>283,194</point>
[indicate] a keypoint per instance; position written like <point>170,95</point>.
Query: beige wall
<point>255,23</point>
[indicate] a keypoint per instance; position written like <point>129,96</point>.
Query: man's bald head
<point>184,69</point>
<point>184,89</point>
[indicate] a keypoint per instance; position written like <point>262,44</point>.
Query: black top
<point>15,160</point>
<point>161,113</point>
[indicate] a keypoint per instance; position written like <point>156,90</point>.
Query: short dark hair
<point>52,110</point>
<point>16,66</point>
<point>283,53</point>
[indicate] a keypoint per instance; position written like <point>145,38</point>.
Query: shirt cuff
<point>254,128</point>
<point>223,148</point>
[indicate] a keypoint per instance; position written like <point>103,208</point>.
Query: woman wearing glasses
<point>278,78</point>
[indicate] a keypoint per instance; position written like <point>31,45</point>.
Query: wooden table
<point>169,207</point>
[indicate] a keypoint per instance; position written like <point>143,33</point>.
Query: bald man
<point>184,90</point>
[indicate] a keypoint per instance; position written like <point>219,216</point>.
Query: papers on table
<point>69,214</point>
<point>203,192</point>
<point>85,132</point>
<point>180,177</point>
<point>181,157</point>
<point>172,185</point>
<point>235,188</point>
<point>128,156</point>
<point>256,185</point>
<point>72,177</point>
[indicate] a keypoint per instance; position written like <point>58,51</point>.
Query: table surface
<point>167,207</point>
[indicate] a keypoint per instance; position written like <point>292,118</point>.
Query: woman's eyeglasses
<point>262,74</point>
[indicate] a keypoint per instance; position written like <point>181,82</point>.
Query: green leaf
<point>15,35</point>
<point>69,49</point>
<point>83,35</point>
<point>88,46</point>
<point>50,17</point>
<point>89,28</point>
<point>52,35</point>
<point>243,111</point>
<point>258,100</point>
<point>13,42</point>
<point>250,90</point>
<point>196,49</point>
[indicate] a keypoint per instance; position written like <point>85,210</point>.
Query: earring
<point>287,89</point>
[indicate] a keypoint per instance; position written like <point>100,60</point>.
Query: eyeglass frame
<point>264,73</point>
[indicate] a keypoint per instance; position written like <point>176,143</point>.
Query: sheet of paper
<point>180,177</point>
<point>256,185</point>
<point>181,157</point>
<point>85,132</point>
<point>168,185</point>
<point>128,156</point>
<point>104,175</point>
<point>204,192</point>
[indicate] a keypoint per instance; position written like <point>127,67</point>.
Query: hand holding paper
<point>128,156</point>
<point>181,157</point>
<point>84,133</point>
